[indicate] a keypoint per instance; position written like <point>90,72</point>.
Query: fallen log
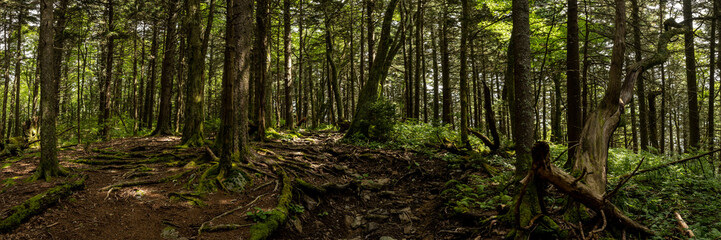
<point>15,216</point>
<point>579,191</point>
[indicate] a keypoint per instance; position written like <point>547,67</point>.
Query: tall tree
<point>523,121</point>
<point>370,94</point>
<point>640,86</point>
<point>106,94</point>
<point>193,128</point>
<point>574,114</point>
<point>18,63</point>
<point>233,136</point>
<point>260,64</point>
<point>465,19</point>
<point>288,71</point>
<point>150,85</point>
<point>162,128</point>
<point>333,73</point>
<point>49,166</point>
<point>692,88</point>
<point>447,116</point>
<point>712,78</point>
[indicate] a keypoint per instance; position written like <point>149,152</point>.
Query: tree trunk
<point>194,114</point>
<point>16,113</point>
<point>233,137</point>
<point>106,93</point>
<point>446,69</point>
<point>592,153</point>
<point>652,130</point>
<point>436,108</point>
<point>465,15</point>
<point>387,49</point>
<point>335,86</point>
<point>150,85</point>
<point>49,166</point>
<point>261,65</point>
<point>528,201</point>
<point>692,88</point>
<point>712,79</point>
<point>5,127</point>
<point>288,65</point>
<point>418,50</point>
<point>162,128</point>
<point>574,113</point>
<point>640,87</point>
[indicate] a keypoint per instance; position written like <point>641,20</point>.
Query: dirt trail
<point>393,193</point>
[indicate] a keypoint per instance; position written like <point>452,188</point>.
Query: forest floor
<point>396,193</point>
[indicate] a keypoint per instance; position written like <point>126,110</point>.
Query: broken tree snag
<point>13,217</point>
<point>683,226</point>
<point>579,191</point>
<point>279,214</point>
<point>592,151</point>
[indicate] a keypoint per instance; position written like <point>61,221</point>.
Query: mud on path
<point>386,193</point>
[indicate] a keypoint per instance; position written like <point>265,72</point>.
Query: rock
<point>310,203</point>
<point>375,185</point>
<point>405,215</point>
<point>348,220</point>
<point>372,226</point>
<point>408,229</point>
<point>170,233</point>
<point>297,225</point>
<point>386,238</point>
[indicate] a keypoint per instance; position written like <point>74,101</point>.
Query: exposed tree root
<point>164,157</point>
<point>193,198</point>
<point>279,215</point>
<point>208,227</point>
<point>223,227</point>
<point>325,188</point>
<point>15,216</point>
<point>148,182</point>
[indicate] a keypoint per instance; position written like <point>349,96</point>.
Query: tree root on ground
<point>309,188</point>
<point>279,215</point>
<point>147,182</point>
<point>15,216</point>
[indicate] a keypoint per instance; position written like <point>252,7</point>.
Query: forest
<point>360,119</point>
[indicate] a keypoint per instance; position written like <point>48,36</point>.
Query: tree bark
<point>387,49</point>
<point>150,84</point>
<point>233,137</point>
<point>49,166</point>
<point>691,85</point>
<point>288,71</point>
<point>574,113</point>
<point>194,114</point>
<point>162,128</point>
<point>106,93</point>
<point>592,153</point>
<point>640,86</point>
<point>465,15</point>
<point>334,83</point>
<point>447,116</point>
<point>528,201</point>
<point>261,65</point>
